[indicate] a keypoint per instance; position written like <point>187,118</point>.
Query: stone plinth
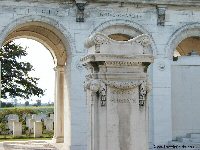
<point>117,86</point>
<point>37,129</point>
<point>17,129</point>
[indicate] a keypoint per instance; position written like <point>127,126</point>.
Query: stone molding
<point>157,2</point>
<point>110,57</point>
<point>125,24</point>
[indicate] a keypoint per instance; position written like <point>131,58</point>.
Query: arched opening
<point>187,46</point>
<point>55,42</point>
<point>185,86</point>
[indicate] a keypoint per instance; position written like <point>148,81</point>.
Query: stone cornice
<point>154,2</point>
<point>117,58</point>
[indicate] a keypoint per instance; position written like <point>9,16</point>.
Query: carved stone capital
<point>59,68</point>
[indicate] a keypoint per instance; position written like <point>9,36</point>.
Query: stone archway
<point>56,42</point>
<point>189,30</point>
<point>125,30</point>
<point>184,74</point>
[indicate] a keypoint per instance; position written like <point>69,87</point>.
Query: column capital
<point>59,68</point>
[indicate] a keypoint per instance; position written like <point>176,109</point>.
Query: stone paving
<point>30,145</point>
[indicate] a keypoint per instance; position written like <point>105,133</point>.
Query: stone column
<point>59,105</point>
<point>117,88</point>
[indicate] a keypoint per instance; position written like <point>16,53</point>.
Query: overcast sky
<point>42,61</point>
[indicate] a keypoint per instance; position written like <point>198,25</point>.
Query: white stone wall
<point>97,17</point>
<point>185,96</point>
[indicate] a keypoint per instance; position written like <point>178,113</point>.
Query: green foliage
<point>4,104</point>
<point>16,81</point>
<point>27,103</point>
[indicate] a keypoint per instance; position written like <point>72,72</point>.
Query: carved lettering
<point>109,14</point>
<point>125,100</point>
<point>37,10</point>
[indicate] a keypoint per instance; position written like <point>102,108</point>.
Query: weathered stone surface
<point>10,124</point>
<point>117,92</point>
<point>17,129</point>
<point>53,23</point>
<point>37,129</point>
<point>31,125</point>
<point>49,124</point>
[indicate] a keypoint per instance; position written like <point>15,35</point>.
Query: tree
<point>16,81</point>
<point>27,103</point>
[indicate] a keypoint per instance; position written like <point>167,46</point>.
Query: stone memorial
<point>10,124</point>
<point>52,116</point>
<point>49,124</point>
<point>37,129</point>
<point>36,117</point>
<point>27,120</point>
<point>117,87</point>
<point>13,117</point>
<point>31,125</point>
<point>17,129</point>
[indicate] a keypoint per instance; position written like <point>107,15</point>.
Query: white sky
<point>42,62</point>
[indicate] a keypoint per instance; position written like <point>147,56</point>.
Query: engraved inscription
<point>118,100</point>
<point>36,10</point>
<point>110,14</point>
<point>122,96</point>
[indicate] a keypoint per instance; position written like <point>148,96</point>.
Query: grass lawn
<point>28,107</point>
<point>23,138</point>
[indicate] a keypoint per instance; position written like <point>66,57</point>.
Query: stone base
<point>58,139</point>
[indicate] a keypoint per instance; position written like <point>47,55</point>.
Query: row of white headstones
<point>33,122</point>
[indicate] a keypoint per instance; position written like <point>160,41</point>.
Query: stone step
<point>195,140</point>
<point>193,135</point>
<point>183,139</point>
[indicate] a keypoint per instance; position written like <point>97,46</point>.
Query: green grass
<point>29,107</point>
<point>24,138</point>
